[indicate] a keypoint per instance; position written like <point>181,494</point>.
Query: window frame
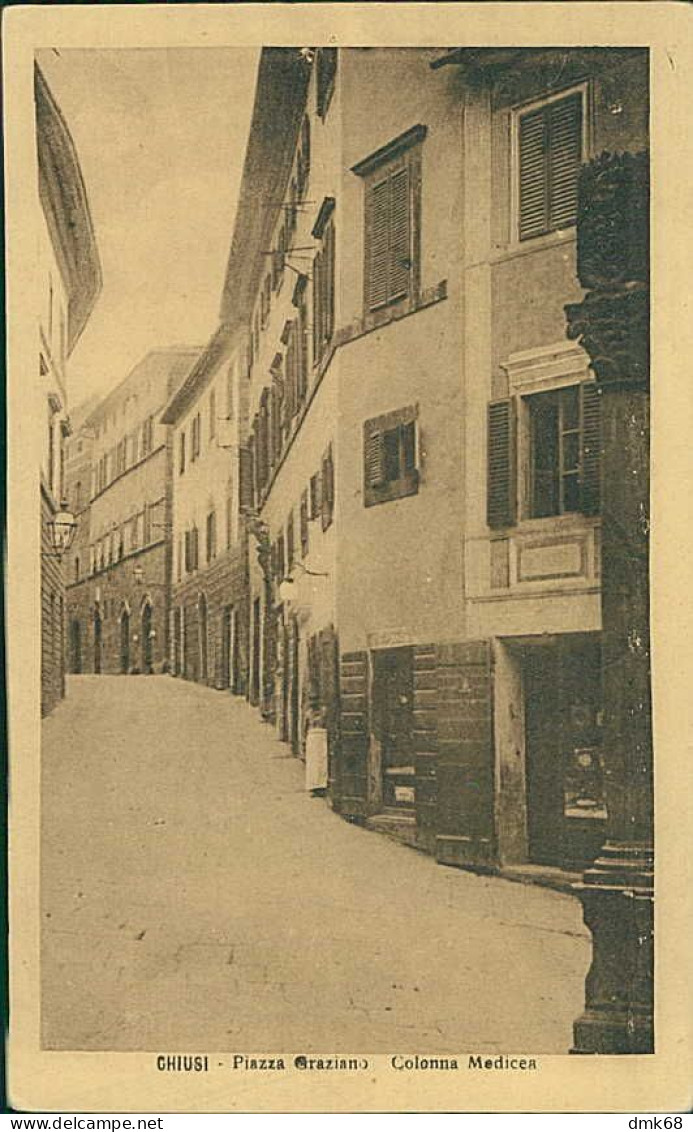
<point>409,481</point>
<point>402,152</point>
<point>518,112</point>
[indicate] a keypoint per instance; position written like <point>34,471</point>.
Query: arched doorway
<point>202,615</point>
<point>147,637</point>
<point>125,640</point>
<point>98,634</point>
<point>75,647</point>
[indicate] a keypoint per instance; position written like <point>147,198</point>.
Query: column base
<point>617,895</point>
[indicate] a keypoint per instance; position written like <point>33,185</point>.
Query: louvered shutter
<point>304,523</point>
<point>327,489</point>
<point>317,304</point>
<point>533,179</point>
<point>375,459</point>
<point>377,254</point>
<point>590,463</point>
<point>245,471</point>
<point>328,328</point>
<point>565,155</point>
<point>502,463</point>
<point>400,237</point>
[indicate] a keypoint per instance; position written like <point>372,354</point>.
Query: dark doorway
<point>284,717</point>
<point>98,634</point>
<point>393,703</point>
<point>295,689</point>
<point>125,641</point>
<point>202,628</point>
<point>147,639</point>
<point>255,670</point>
<point>566,808</point>
<point>75,647</point>
<point>226,653</point>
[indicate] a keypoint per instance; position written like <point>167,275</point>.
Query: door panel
<point>393,724</point>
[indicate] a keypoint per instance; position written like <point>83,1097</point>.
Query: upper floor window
<point>550,144</point>
<point>327,488</point>
<point>211,536</point>
<point>196,437</point>
<point>391,456</point>
<point>392,177</point>
<point>326,66</point>
<point>303,159</point>
<point>212,415</point>
<point>557,445</point>
<point>181,453</point>
<point>323,279</point>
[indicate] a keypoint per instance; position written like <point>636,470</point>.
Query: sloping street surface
<point>195,898</point>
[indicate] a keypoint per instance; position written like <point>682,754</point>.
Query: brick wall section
<point>425,741</point>
<point>52,617</point>
<point>224,583</point>
<point>465,778</point>
<point>350,787</point>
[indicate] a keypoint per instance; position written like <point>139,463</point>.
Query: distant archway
<point>125,640</point>
<point>147,637</point>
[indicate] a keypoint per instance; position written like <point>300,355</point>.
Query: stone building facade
<point>120,569</point>
<point>419,474</point>
<point>70,281</point>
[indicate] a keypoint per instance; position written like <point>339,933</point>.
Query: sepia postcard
<point>347,574</point>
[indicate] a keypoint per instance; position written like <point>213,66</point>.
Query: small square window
<point>391,457</point>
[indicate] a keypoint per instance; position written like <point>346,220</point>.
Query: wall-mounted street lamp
<point>61,528</point>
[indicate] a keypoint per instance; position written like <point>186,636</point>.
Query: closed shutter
<point>533,180</point>
<point>245,471</point>
<point>565,155</point>
<point>377,243</point>
<point>400,238</point>
<point>327,489</point>
<point>304,523</point>
<point>328,318</point>
<point>317,306</point>
<point>502,463</point>
<point>590,464</point>
<point>375,458</point>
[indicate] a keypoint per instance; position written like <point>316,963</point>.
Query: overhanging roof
<point>66,208</point>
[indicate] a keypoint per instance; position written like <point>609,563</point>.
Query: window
<point>229,518</point>
<point>211,536</point>
<point>326,64</point>
<point>550,146</point>
<point>290,543</point>
<point>315,497</point>
<point>561,441</point>
<point>77,568</point>
<point>147,436</point>
<point>323,279</point>
<point>391,464</point>
<point>392,179</point>
<point>181,453</point>
<point>304,524</point>
<point>195,440</point>
<point>212,415</point>
<point>327,496</point>
<point>298,342</point>
<point>191,550</point>
<point>303,160</point>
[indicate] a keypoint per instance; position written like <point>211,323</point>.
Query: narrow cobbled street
<point>194,897</point>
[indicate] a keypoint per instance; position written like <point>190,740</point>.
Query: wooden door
<point>393,695</point>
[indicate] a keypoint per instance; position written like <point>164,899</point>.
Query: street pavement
<point>195,898</point>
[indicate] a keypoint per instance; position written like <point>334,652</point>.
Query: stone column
<point>612,324</point>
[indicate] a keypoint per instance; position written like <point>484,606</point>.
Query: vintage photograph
<point>345,665</point>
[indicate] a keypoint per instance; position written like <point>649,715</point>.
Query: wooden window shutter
<point>377,215</point>
<point>533,141</point>
<point>317,304</point>
<point>328,328</point>
<point>304,523</point>
<point>590,457</point>
<point>565,155</point>
<point>400,235</point>
<point>327,500</point>
<point>375,458</point>
<point>502,463</point>
<point>245,471</point>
